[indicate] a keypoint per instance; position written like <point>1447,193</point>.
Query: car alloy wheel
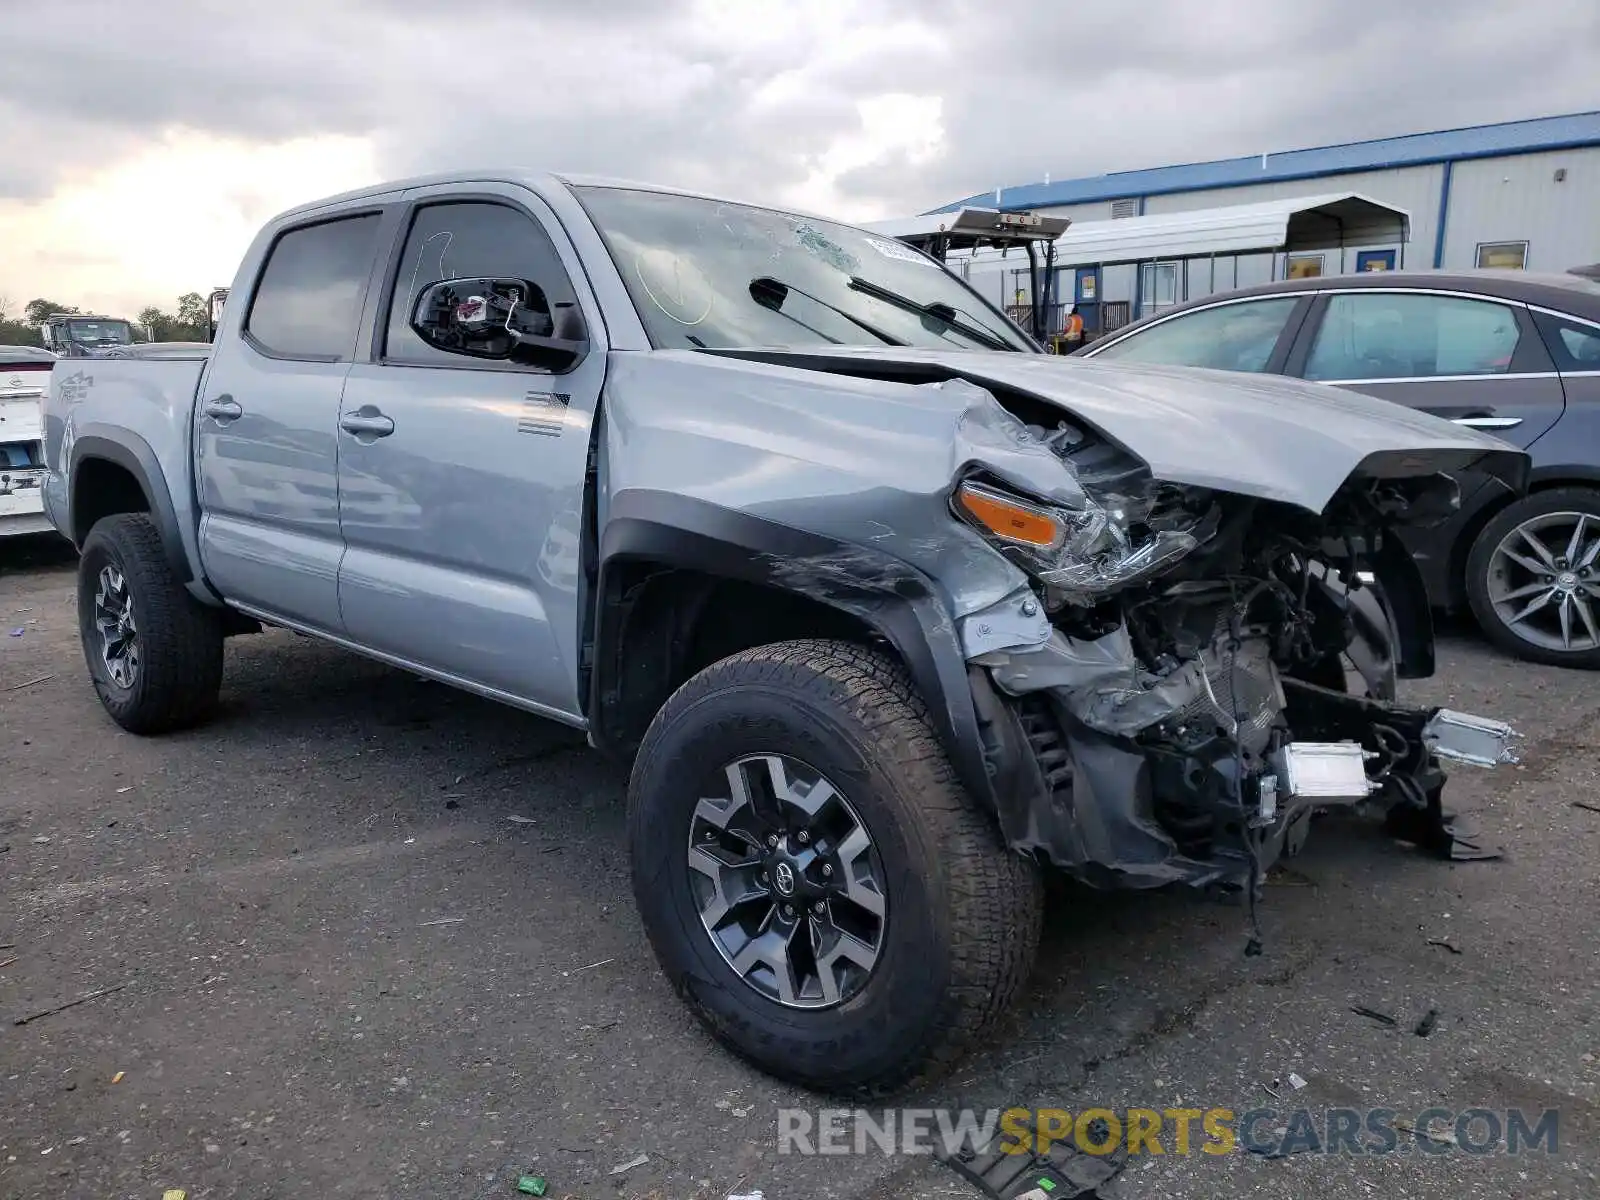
<point>119,635</point>
<point>788,882</point>
<point>1544,581</point>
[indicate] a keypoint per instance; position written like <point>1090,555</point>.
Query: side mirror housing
<point>500,318</point>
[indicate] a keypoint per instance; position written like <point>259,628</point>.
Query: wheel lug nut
<point>803,837</point>
<point>817,908</point>
<point>788,910</point>
<point>772,839</point>
<point>762,877</point>
<point>827,869</point>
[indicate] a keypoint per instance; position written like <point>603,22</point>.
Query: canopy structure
<point>1292,225</point>
<point>973,229</point>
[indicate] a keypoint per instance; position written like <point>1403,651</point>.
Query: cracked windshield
<point>706,273</point>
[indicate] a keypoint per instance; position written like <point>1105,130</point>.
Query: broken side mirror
<point>500,318</point>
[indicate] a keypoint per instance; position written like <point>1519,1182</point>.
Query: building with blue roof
<point>1518,194</point>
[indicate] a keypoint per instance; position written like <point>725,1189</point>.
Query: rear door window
<point>1396,335</point>
<point>1228,337</point>
<point>308,303</point>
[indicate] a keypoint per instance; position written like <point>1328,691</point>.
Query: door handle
<point>224,408</point>
<point>368,422</point>
<point>1489,422</point>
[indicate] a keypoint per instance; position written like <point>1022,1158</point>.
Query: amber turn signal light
<point>1009,519</point>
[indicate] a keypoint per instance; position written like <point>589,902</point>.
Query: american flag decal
<point>543,413</point>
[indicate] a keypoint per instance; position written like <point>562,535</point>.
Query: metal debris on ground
<point>26,683</point>
<point>755,1195</point>
<point>1295,1081</point>
<point>41,840</point>
<point>8,961</point>
<point>588,967</point>
<point>69,1004</point>
<point>621,1168</point>
<point>117,1078</point>
<point>16,632</point>
<point>1374,1015</point>
<point>1454,949</point>
<point>531,1185</point>
<point>1442,1135</point>
<point>518,819</point>
<point>442,921</point>
<point>1426,1025</point>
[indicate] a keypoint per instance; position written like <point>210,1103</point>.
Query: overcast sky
<point>143,141</point>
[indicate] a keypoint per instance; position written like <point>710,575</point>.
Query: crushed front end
<point>1194,673</point>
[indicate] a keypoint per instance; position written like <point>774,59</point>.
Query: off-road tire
<point>179,675</point>
<point>964,913</point>
<point>1479,562</point>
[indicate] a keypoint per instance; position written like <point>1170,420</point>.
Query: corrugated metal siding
<point>1517,199</point>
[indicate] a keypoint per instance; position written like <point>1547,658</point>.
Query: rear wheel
<point>1533,578</point>
<point>154,652</point>
<point>815,882</point>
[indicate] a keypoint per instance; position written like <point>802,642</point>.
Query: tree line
<point>190,323</point>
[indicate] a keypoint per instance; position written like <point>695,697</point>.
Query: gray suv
<point>1511,353</point>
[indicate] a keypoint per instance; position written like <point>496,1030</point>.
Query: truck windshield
<point>710,274</point>
<point>100,333</point>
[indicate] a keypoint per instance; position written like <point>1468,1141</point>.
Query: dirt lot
<point>345,970</point>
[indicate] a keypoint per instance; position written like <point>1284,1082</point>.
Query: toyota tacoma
<point>890,611</point>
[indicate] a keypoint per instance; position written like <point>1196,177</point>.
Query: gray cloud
<point>648,89</point>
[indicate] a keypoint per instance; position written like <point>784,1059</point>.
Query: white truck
<point>24,378</point>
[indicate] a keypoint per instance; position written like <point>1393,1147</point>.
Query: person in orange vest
<point>1073,332</point>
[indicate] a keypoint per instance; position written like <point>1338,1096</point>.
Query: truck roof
<point>528,177</point>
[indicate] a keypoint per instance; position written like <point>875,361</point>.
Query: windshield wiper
<point>770,293</point>
<point>945,314</point>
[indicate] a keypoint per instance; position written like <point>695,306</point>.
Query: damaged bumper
<point>1206,774</point>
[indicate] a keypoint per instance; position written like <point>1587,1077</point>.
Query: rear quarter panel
<point>125,409</point>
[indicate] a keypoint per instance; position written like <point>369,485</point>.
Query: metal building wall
<point>1518,199</point>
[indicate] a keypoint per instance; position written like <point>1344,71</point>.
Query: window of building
<point>1229,337</point>
<point>1305,266</point>
<point>468,239</point>
<point>1503,256</point>
<point>308,303</point>
<point>1389,335</point>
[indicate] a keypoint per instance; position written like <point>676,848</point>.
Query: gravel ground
<point>343,969</point>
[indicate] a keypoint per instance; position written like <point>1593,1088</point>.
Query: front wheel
<point>1533,578</point>
<point>815,882</point>
<point>154,652</point>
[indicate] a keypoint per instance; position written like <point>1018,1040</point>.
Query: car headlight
<point>1080,553</point>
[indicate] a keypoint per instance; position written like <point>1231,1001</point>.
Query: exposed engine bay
<point>1218,668</point>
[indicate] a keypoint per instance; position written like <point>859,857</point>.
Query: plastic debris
<point>587,967</point>
<point>518,819</point>
<point>621,1168</point>
<point>442,921</point>
<point>17,632</point>
<point>1374,1015</point>
<point>41,840</point>
<point>174,1194</point>
<point>117,1078</point>
<point>26,683</point>
<point>532,1185</point>
<point>1426,1026</point>
<point>755,1195</point>
<point>8,961</point>
<point>1295,1081</point>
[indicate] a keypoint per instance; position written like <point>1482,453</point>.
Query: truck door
<point>461,480</point>
<point>267,422</point>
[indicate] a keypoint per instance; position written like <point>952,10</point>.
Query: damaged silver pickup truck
<point>891,611</point>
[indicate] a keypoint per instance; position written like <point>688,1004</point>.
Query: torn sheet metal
<point>1017,623</point>
<point>1102,684</point>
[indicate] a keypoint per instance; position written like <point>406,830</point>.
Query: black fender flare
<point>133,454</point>
<point>895,600</point>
